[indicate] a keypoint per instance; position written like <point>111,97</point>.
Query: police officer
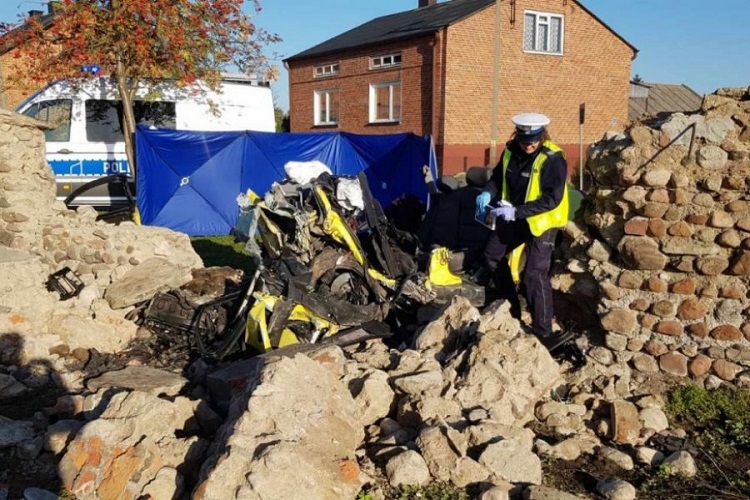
<point>529,195</point>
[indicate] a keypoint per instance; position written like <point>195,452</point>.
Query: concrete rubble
<point>656,268</point>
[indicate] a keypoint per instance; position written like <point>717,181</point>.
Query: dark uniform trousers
<point>536,279</point>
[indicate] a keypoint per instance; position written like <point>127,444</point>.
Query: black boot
<point>482,276</point>
<point>556,340</point>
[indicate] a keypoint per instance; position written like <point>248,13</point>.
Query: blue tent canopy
<point>189,181</point>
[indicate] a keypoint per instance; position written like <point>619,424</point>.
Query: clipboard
<point>487,219</point>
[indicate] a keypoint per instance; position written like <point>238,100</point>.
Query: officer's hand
<point>505,211</point>
<point>483,200</point>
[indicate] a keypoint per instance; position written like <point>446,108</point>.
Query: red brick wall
<point>468,93</point>
<point>353,84</point>
<point>12,93</point>
<point>468,87</point>
<point>594,69</point>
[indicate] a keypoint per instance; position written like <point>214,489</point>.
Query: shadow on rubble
<point>40,415</point>
<point>28,396</point>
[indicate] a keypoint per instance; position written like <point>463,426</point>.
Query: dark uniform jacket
<point>554,176</point>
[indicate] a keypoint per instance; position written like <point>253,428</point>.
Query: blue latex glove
<point>483,200</point>
<point>505,211</point>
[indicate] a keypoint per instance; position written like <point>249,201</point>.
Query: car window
<point>56,112</point>
<point>159,114</point>
<point>104,118</point>
<point>103,122</point>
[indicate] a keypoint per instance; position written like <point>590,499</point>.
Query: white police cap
<point>529,124</point>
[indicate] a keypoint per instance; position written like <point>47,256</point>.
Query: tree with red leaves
<point>134,41</point>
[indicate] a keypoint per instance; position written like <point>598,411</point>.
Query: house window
<point>324,70</point>
<point>543,32</point>
<point>385,102</point>
<point>326,107</point>
<point>387,61</point>
<point>57,113</point>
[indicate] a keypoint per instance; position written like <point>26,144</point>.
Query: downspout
<point>439,79</point>
<point>435,117</point>
<point>495,86</point>
<point>289,94</point>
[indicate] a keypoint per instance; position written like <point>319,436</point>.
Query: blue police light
<point>91,68</point>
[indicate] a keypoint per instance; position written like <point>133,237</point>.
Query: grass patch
<point>438,490</point>
<point>720,417</point>
<point>718,423</point>
<point>433,491</point>
<point>715,480</point>
<point>223,251</point>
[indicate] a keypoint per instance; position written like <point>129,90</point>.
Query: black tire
<point>121,213</point>
<point>100,181</point>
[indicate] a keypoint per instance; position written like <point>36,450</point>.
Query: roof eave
<point>316,55</point>
<point>431,31</point>
<point>46,20</point>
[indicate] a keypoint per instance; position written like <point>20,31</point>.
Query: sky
<point>702,44</point>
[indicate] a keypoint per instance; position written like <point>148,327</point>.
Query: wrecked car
<point>330,266</point>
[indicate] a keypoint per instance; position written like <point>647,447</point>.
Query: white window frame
<point>537,14</point>
<point>385,61</point>
<point>325,70</point>
<point>373,102</point>
<point>326,95</point>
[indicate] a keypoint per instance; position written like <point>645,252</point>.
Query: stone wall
<point>27,184</point>
<point>39,235</point>
<point>673,223</point>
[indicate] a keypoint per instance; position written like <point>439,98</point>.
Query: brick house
<point>430,71</point>
<point>12,95</point>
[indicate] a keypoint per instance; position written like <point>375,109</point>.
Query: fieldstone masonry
<point>672,254</point>
<point>39,235</point>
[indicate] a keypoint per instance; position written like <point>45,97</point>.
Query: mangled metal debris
<point>330,267</point>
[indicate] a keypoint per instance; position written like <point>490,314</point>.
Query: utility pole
<point>495,86</point>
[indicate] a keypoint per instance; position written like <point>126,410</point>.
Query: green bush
<point>432,491</point>
<point>722,416</point>
<point>364,495</point>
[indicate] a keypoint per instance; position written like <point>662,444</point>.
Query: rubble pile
<point>399,415</point>
<point>460,392</point>
<point>668,242</point>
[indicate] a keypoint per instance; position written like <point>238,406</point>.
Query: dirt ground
<point>718,478</point>
<point>712,482</point>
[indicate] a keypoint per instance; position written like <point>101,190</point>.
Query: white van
<point>88,144</point>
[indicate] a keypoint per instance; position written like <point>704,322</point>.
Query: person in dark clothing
<point>529,188</point>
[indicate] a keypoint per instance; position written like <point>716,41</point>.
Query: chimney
<point>52,6</point>
<point>35,13</point>
<point>426,3</point>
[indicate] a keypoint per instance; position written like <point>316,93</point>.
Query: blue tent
<point>189,181</point>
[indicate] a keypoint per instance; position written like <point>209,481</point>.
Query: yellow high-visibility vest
<point>558,216</point>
